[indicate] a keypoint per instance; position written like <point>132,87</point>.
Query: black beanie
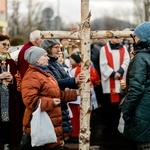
<point>76,57</point>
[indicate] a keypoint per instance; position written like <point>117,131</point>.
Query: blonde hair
<point>35,35</point>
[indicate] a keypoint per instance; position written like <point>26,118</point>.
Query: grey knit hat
<point>33,54</point>
<point>142,31</point>
<point>49,43</point>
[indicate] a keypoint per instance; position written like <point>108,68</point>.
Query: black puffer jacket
<point>136,108</point>
<point>64,81</point>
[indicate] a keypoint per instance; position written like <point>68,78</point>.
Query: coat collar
<point>47,73</point>
<point>52,59</point>
<point>142,47</point>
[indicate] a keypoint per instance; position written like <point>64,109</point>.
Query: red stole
<point>78,70</point>
<point>114,96</point>
<point>94,77</point>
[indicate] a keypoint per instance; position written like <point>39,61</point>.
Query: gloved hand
<point>127,119</point>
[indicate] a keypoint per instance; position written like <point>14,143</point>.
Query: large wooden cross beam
<point>85,35</point>
<point>103,34</point>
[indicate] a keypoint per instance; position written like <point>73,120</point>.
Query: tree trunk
<point>85,111</point>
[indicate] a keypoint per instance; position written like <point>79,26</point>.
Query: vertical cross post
<point>85,111</point>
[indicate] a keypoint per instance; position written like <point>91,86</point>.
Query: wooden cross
<point>85,35</point>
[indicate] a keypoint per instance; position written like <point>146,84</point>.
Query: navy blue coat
<point>64,81</point>
<point>59,73</point>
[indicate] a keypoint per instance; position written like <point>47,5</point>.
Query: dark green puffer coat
<point>136,108</point>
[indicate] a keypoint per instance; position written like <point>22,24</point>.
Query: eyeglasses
<point>56,47</point>
<point>132,36</point>
<point>116,37</point>
<point>5,45</point>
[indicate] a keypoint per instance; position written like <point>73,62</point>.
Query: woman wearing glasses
<point>8,102</point>
<point>52,47</point>
<point>136,107</point>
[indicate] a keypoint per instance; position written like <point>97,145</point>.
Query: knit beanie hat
<point>33,54</point>
<point>49,43</point>
<point>142,31</point>
<point>76,57</point>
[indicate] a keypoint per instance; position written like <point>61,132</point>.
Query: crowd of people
<point>47,70</point>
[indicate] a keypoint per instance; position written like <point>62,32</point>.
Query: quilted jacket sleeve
<point>136,78</point>
<point>68,95</point>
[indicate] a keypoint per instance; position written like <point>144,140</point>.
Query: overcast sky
<point>69,10</point>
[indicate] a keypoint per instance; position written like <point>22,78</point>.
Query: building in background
<point>3,16</point>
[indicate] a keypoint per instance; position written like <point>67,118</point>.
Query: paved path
<point>103,140</point>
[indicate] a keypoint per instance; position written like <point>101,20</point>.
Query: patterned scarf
<point>4,96</point>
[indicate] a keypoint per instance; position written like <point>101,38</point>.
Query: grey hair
<point>35,35</point>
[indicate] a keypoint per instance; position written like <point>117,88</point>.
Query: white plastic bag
<point>42,129</point>
<point>121,124</point>
<point>94,103</point>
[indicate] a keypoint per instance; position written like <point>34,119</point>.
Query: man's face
<point>38,42</point>
<point>116,40</point>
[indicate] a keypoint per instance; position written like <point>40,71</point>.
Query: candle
<point>8,68</point>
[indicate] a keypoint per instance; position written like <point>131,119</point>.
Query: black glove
<point>126,118</point>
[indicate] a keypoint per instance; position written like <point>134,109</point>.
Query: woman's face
<point>65,42</point>
<point>4,46</point>
<point>131,52</point>
<point>136,39</point>
<point>55,50</point>
<point>43,61</point>
<point>60,58</point>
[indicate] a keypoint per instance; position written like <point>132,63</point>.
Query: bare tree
<point>147,9</point>
<point>108,23</point>
<point>33,15</point>
<point>142,10</point>
<point>13,19</point>
<point>22,23</point>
